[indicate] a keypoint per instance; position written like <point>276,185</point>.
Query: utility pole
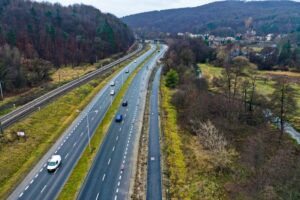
<point>1,128</point>
<point>1,91</point>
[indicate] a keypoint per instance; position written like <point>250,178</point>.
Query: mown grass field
<point>65,74</point>
<point>264,86</point>
<point>43,128</point>
<point>75,181</point>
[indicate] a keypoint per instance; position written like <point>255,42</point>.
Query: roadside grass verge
<point>43,128</point>
<point>58,77</point>
<point>69,73</point>
<point>172,149</point>
<point>76,179</point>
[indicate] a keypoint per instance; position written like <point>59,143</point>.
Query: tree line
<point>285,56</point>
<point>224,18</point>
<point>39,33</point>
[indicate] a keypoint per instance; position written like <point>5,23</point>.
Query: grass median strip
<point>75,181</point>
<point>43,128</point>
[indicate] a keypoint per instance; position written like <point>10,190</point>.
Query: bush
<point>172,79</point>
<point>216,143</point>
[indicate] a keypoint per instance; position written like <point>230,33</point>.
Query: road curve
<point>39,184</point>
<point>110,174</point>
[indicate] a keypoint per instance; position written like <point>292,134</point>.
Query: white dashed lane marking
<point>103,177</point>
<point>43,188</point>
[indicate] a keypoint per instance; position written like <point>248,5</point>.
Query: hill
<point>60,34</point>
<point>226,17</point>
<point>36,36</point>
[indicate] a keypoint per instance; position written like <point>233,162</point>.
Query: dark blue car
<point>119,118</point>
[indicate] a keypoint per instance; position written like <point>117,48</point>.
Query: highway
<point>154,191</point>
<point>112,169</point>
<point>34,105</point>
<point>39,184</point>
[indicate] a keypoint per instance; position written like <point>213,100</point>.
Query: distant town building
<point>269,37</point>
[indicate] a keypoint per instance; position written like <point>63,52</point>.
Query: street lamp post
<point>88,128</point>
<point>1,91</point>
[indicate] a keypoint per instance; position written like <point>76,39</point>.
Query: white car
<point>135,61</point>
<point>112,92</point>
<point>54,163</point>
<point>127,71</point>
<point>112,83</point>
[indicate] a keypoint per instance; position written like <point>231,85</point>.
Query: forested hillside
<point>35,36</point>
<point>222,18</point>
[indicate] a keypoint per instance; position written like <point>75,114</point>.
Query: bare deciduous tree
<point>283,101</point>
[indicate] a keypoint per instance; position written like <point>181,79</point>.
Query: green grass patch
<point>43,128</point>
<point>172,148</point>
<point>210,71</point>
<point>75,181</point>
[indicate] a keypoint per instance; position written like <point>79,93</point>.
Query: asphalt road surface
<point>154,191</point>
<point>39,184</point>
<point>109,176</point>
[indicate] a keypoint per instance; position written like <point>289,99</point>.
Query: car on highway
<point>112,92</point>
<point>119,118</point>
<point>122,167</point>
<point>124,103</point>
<point>112,83</point>
<point>54,163</point>
<point>135,61</point>
<point>127,71</point>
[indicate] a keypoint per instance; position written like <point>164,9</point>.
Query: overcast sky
<point>122,8</point>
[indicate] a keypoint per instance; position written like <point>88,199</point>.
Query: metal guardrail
<point>31,106</point>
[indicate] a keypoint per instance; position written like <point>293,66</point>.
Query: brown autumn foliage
<point>264,168</point>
